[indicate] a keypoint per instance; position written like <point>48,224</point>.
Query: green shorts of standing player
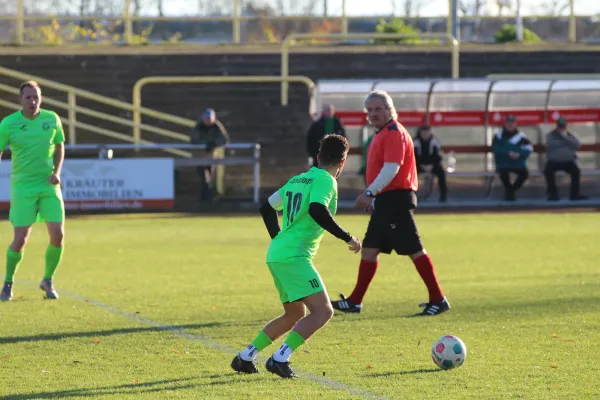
<point>36,140</point>
<point>308,202</point>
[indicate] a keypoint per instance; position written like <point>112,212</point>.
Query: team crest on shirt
<point>46,126</point>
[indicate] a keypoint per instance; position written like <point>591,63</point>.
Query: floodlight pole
<point>453,18</point>
<point>519,22</point>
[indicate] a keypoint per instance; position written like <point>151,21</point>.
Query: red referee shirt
<point>393,144</point>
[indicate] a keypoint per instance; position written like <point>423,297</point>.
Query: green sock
<point>53,257</point>
<point>13,259</point>
<point>292,342</point>
<point>259,343</point>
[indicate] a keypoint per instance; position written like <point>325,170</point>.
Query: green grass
<point>514,281</point>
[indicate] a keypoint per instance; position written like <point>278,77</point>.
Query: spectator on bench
<point>428,154</point>
<point>561,155</point>
<point>211,133</point>
<point>511,150</point>
<point>327,124</point>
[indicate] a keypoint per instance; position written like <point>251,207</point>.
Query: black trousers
<point>512,187</point>
<point>206,176</point>
<point>570,168</point>
<point>438,171</point>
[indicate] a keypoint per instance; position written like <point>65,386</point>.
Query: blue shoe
<point>7,292</point>
<point>46,286</point>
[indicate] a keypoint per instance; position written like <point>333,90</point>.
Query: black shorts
<point>392,225</point>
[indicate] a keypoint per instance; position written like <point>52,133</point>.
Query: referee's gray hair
<point>387,101</point>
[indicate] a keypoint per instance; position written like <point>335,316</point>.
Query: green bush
<point>397,26</point>
<point>508,34</point>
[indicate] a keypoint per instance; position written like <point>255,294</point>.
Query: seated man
<point>511,150</point>
<point>429,158</point>
<point>561,154</point>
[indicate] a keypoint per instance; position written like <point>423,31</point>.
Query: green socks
<point>53,257</point>
<point>259,343</point>
<point>293,341</point>
<point>13,259</point>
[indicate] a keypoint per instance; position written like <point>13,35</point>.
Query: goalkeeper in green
<point>308,202</point>
<point>36,139</point>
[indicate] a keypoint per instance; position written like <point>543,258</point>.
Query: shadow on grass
<point>110,332</point>
<point>128,389</point>
<point>493,308</point>
<point>399,373</point>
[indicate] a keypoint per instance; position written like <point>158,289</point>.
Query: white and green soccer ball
<point>448,352</point>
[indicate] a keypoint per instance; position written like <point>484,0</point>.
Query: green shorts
<point>29,206</point>
<point>296,280</point>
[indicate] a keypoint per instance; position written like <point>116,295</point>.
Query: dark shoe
<point>579,198</point>
<point>247,367</point>
<point>280,368</point>
<point>346,306</point>
<point>553,198</point>
<point>7,292</point>
<point>433,309</point>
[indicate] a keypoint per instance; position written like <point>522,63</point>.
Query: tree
<point>555,7</point>
<point>508,34</point>
<point>504,5</point>
<point>472,8</point>
<point>408,8</point>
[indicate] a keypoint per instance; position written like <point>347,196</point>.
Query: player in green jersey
<point>308,202</point>
<point>36,141</point>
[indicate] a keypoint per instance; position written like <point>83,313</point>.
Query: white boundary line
<point>207,342</point>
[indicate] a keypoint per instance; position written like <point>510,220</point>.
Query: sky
<point>384,7</point>
<point>356,8</point>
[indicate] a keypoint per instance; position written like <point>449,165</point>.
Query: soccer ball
<point>448,352</point>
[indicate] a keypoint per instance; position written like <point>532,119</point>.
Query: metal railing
<point>292,39</point>
<point>236,19</point>
<point>73,109</point>
<point>253,160</point>
<point>137,89</point>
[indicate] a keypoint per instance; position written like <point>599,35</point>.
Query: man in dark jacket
<point>511,150</point>
<point>561,154</point>
<point>212,134</point>
<point>327,124</point>
<point>428,155</point>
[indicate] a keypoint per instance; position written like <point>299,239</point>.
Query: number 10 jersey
<point>300,235</point>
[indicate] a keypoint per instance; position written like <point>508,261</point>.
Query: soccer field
<point>155,308</point>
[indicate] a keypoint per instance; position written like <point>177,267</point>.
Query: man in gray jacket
<point>212,134</point>
<point>561,152</point>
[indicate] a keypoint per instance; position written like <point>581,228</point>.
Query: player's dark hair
<point>29,84</point>
<point>334,149</point>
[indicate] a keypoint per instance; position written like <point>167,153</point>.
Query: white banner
<point>91,184</point>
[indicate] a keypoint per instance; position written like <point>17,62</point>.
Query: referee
<point>390,198</point>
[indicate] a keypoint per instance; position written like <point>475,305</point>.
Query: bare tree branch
<point>504,5</point>
<point>471,7</point>
<point>408,8</point>
<point>555,7</point>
